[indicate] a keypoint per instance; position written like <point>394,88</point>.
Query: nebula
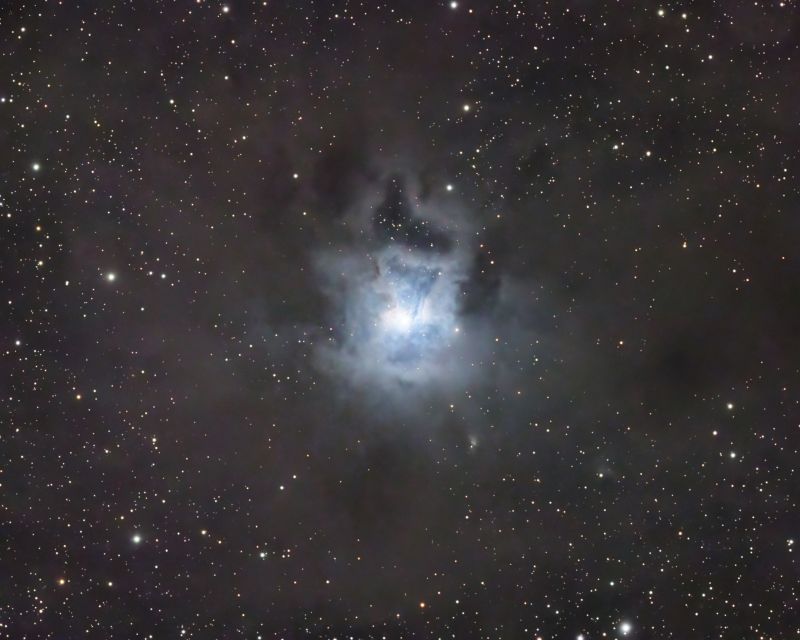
<point>398,294</point>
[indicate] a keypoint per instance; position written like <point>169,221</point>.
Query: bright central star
<point>398,319</point>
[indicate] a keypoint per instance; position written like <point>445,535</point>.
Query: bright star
<point>398,319</point>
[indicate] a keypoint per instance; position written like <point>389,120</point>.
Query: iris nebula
<point>398,289</point>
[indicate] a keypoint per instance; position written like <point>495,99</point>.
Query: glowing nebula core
<point>399,316</point>
<point>398,320</point>
<point>411,305</point>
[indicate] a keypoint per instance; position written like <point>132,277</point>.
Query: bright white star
<point>398,319</point>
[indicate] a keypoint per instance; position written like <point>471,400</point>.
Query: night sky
<point>402,319</point>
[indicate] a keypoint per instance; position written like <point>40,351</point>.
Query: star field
<point>441,320</point>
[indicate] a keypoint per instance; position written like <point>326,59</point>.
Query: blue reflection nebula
<point>414,323</point>
<point>399,315</point>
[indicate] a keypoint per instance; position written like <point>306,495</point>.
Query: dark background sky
<point>211,428</point>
